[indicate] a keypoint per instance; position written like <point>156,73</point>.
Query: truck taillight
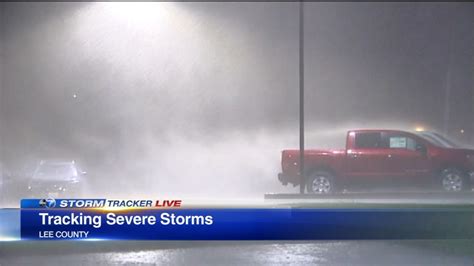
<point>286,162</point>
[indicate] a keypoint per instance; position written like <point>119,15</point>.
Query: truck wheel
<point>320,182</point>
<point>453,180</point>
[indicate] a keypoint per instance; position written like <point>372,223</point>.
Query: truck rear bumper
<point>283,179</point>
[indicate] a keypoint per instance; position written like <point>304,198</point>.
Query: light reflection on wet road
<point>445,252</point>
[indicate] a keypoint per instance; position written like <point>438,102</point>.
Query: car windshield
<point>55,171</point>
<point>439,140</point>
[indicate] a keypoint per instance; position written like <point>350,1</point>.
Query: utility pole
<point>301,81</point>
<point>447,91</point>
<point>448,82</point>
<point>2,127</point>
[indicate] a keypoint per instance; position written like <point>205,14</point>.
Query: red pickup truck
<point>388,156</point>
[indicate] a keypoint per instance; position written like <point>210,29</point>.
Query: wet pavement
<point>439,252</point>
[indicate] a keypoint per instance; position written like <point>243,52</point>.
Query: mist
<point>199,99</point>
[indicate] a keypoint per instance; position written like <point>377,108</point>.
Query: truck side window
<point>401,142</point>
<point>368,140</point>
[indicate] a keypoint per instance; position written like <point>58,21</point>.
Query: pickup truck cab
<point>383,157</point>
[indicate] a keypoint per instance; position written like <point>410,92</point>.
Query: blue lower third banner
<point>245,224</point>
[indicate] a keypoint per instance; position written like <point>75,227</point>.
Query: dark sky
<point>389,61</point>
<point>95,79</point>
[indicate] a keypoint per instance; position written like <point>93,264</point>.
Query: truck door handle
<point>389,156</point>
<point>353,155</point>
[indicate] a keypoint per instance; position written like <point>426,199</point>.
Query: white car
<point>57,178</point>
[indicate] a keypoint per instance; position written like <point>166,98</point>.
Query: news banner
<point>172,219</point>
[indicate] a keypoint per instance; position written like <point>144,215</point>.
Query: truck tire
<point>453,180</point>
<point>321,182</point>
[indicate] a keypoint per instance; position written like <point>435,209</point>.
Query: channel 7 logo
<point>47,203</point>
